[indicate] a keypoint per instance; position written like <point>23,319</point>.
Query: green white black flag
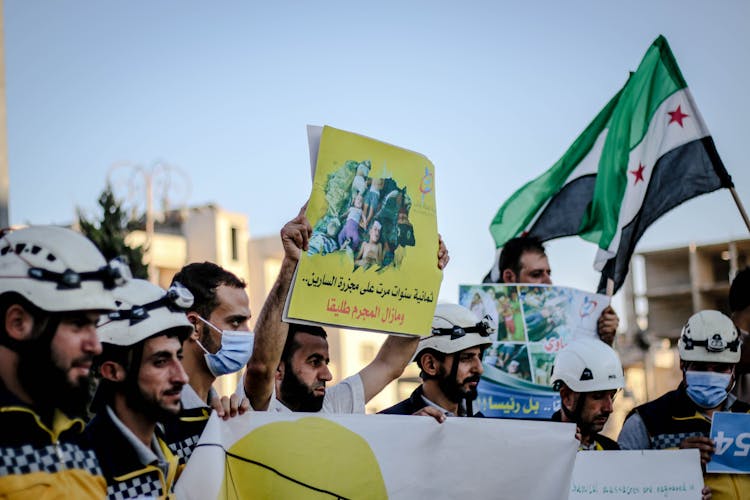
<point>646,152</point>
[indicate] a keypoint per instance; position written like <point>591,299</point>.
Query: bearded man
<point>450,360</point>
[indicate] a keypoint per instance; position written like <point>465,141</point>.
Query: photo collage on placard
<point>531,324</point>
<point>367,217</point>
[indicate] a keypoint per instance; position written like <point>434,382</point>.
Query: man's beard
<point>147,407</point>
<point>296,395</point>
<point>593,427</point>
<point>575,415</point>
<point>46,382</point>
<point>453,390</point>
<point>590,428</point>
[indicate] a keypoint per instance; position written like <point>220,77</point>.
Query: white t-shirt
<point>348,396</point>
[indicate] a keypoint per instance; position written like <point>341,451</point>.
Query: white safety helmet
<point>710,336</point>
<point>145,310</point>
<point>455,328</point>
<point>587,364</point>
<point>58,269</point>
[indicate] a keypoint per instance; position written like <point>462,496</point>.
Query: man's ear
<point>430,364</point>
<point>113,371</point>
<point>279,375</point>
<point>568,397</point>
<point>509,276</point>
<point>192,317</point>
<point>19,323</point>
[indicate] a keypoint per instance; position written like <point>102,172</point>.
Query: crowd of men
<point>106,382</point>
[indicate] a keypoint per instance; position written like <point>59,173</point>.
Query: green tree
<point>108,234</point>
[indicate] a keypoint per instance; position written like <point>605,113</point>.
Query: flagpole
<point>741,208</point>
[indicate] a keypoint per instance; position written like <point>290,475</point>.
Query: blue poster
<point>531,323</point>
<point>731,435</point>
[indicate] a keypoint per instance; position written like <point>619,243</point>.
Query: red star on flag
<point>638,173</point>
<point>676,116</point>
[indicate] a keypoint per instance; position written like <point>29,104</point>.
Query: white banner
<point>670,474</point>
<point>300,456</point>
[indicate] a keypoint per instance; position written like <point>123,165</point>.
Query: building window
<point>234,244</point>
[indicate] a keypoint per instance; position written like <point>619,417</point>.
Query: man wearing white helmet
<point>141,381</point>
<point>709,349</point>
<point>587,373</point>
<point>450,360</point>
<point>54,283</point>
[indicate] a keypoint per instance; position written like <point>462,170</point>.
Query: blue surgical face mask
<point>707,389</point>
<point>235,351</point>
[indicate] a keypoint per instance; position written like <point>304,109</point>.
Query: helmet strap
<point>584,427</point>
<point>454,366</point>
<point>469,408</point>
<point>453,375</point>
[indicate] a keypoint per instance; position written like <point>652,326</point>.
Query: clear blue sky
<point>492,92</point>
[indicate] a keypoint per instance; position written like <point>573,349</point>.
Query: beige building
<point>197,234</point>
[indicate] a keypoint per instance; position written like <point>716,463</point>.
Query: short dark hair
<point>202,279</point>
<point>291,345</point>
<point>513,250</point>
<point>739,291</point>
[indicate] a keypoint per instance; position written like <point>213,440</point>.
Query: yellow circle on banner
<point>309,458</point>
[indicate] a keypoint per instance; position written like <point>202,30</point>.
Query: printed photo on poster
<point>532,323</point>
<point>367,217</point>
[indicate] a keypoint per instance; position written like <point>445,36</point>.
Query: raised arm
<point>388,365</point>
<point>270,331</point>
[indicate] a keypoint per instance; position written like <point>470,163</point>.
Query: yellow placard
<point>372,260</point>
